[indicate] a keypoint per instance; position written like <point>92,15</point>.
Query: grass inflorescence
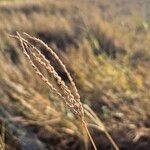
<point>69,95</point>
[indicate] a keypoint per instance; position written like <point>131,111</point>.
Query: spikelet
<point>70,101</point>
<point>59,61</point>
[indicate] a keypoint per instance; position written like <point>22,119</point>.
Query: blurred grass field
<point>105,46</point>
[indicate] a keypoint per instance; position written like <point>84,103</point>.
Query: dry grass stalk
<point>98,124</point>
<point>71,99</point>
<point>2,137</point>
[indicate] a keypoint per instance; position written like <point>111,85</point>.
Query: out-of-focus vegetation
<point>104,44</point>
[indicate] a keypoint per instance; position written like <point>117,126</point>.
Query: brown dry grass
<point>113,78</point>
<point>73,102</point>
<point>2,137</point>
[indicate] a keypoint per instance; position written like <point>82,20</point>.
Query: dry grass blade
<point>2,137</point>
<point>98,124</point>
